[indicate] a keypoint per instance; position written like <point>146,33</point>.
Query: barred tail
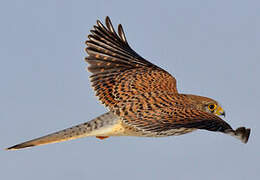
<point>100,126</point>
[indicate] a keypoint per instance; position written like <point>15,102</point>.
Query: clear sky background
<point>211,47</point>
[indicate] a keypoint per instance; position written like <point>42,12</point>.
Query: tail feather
<point>98,126</point>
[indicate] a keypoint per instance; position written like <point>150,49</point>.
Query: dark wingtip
<point>121,33</point>
<point>110,25</point>
<point>108,19</point>
<point>243,133</point>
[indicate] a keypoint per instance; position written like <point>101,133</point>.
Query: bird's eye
<point>212,107</point>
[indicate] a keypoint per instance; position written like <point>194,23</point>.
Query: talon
<point>102,137</point>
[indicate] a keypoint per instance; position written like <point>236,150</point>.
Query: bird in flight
<point>142,98</point>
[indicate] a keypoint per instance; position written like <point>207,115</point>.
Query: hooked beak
<point>220,111</point>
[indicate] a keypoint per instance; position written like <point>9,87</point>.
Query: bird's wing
<point>141,93</point>
<point>118,71</point>
<point>159,112</point>
<point>162,111</point>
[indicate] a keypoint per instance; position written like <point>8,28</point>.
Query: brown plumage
<point>142,94</point>
<point>142,98</point>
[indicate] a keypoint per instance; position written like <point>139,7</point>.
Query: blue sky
<point>211,47</point>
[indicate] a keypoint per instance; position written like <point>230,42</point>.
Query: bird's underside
<point>102,127</point>
<point>142,98</point>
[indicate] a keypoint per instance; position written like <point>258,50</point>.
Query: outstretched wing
<point>161,113</point>
<point>118,71</point>
<point>141,93</point>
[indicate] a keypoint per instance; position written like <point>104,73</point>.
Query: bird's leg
<point>102,137</point>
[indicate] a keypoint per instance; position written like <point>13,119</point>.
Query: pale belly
<point>121,129</point>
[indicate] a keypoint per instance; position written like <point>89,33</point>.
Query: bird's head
<point>207,104</point>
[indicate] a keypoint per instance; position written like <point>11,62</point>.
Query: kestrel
<point>142,98</point>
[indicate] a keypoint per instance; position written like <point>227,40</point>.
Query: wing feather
<point>142,94</point>
<point>117,70</point>
<point>147,115</point>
